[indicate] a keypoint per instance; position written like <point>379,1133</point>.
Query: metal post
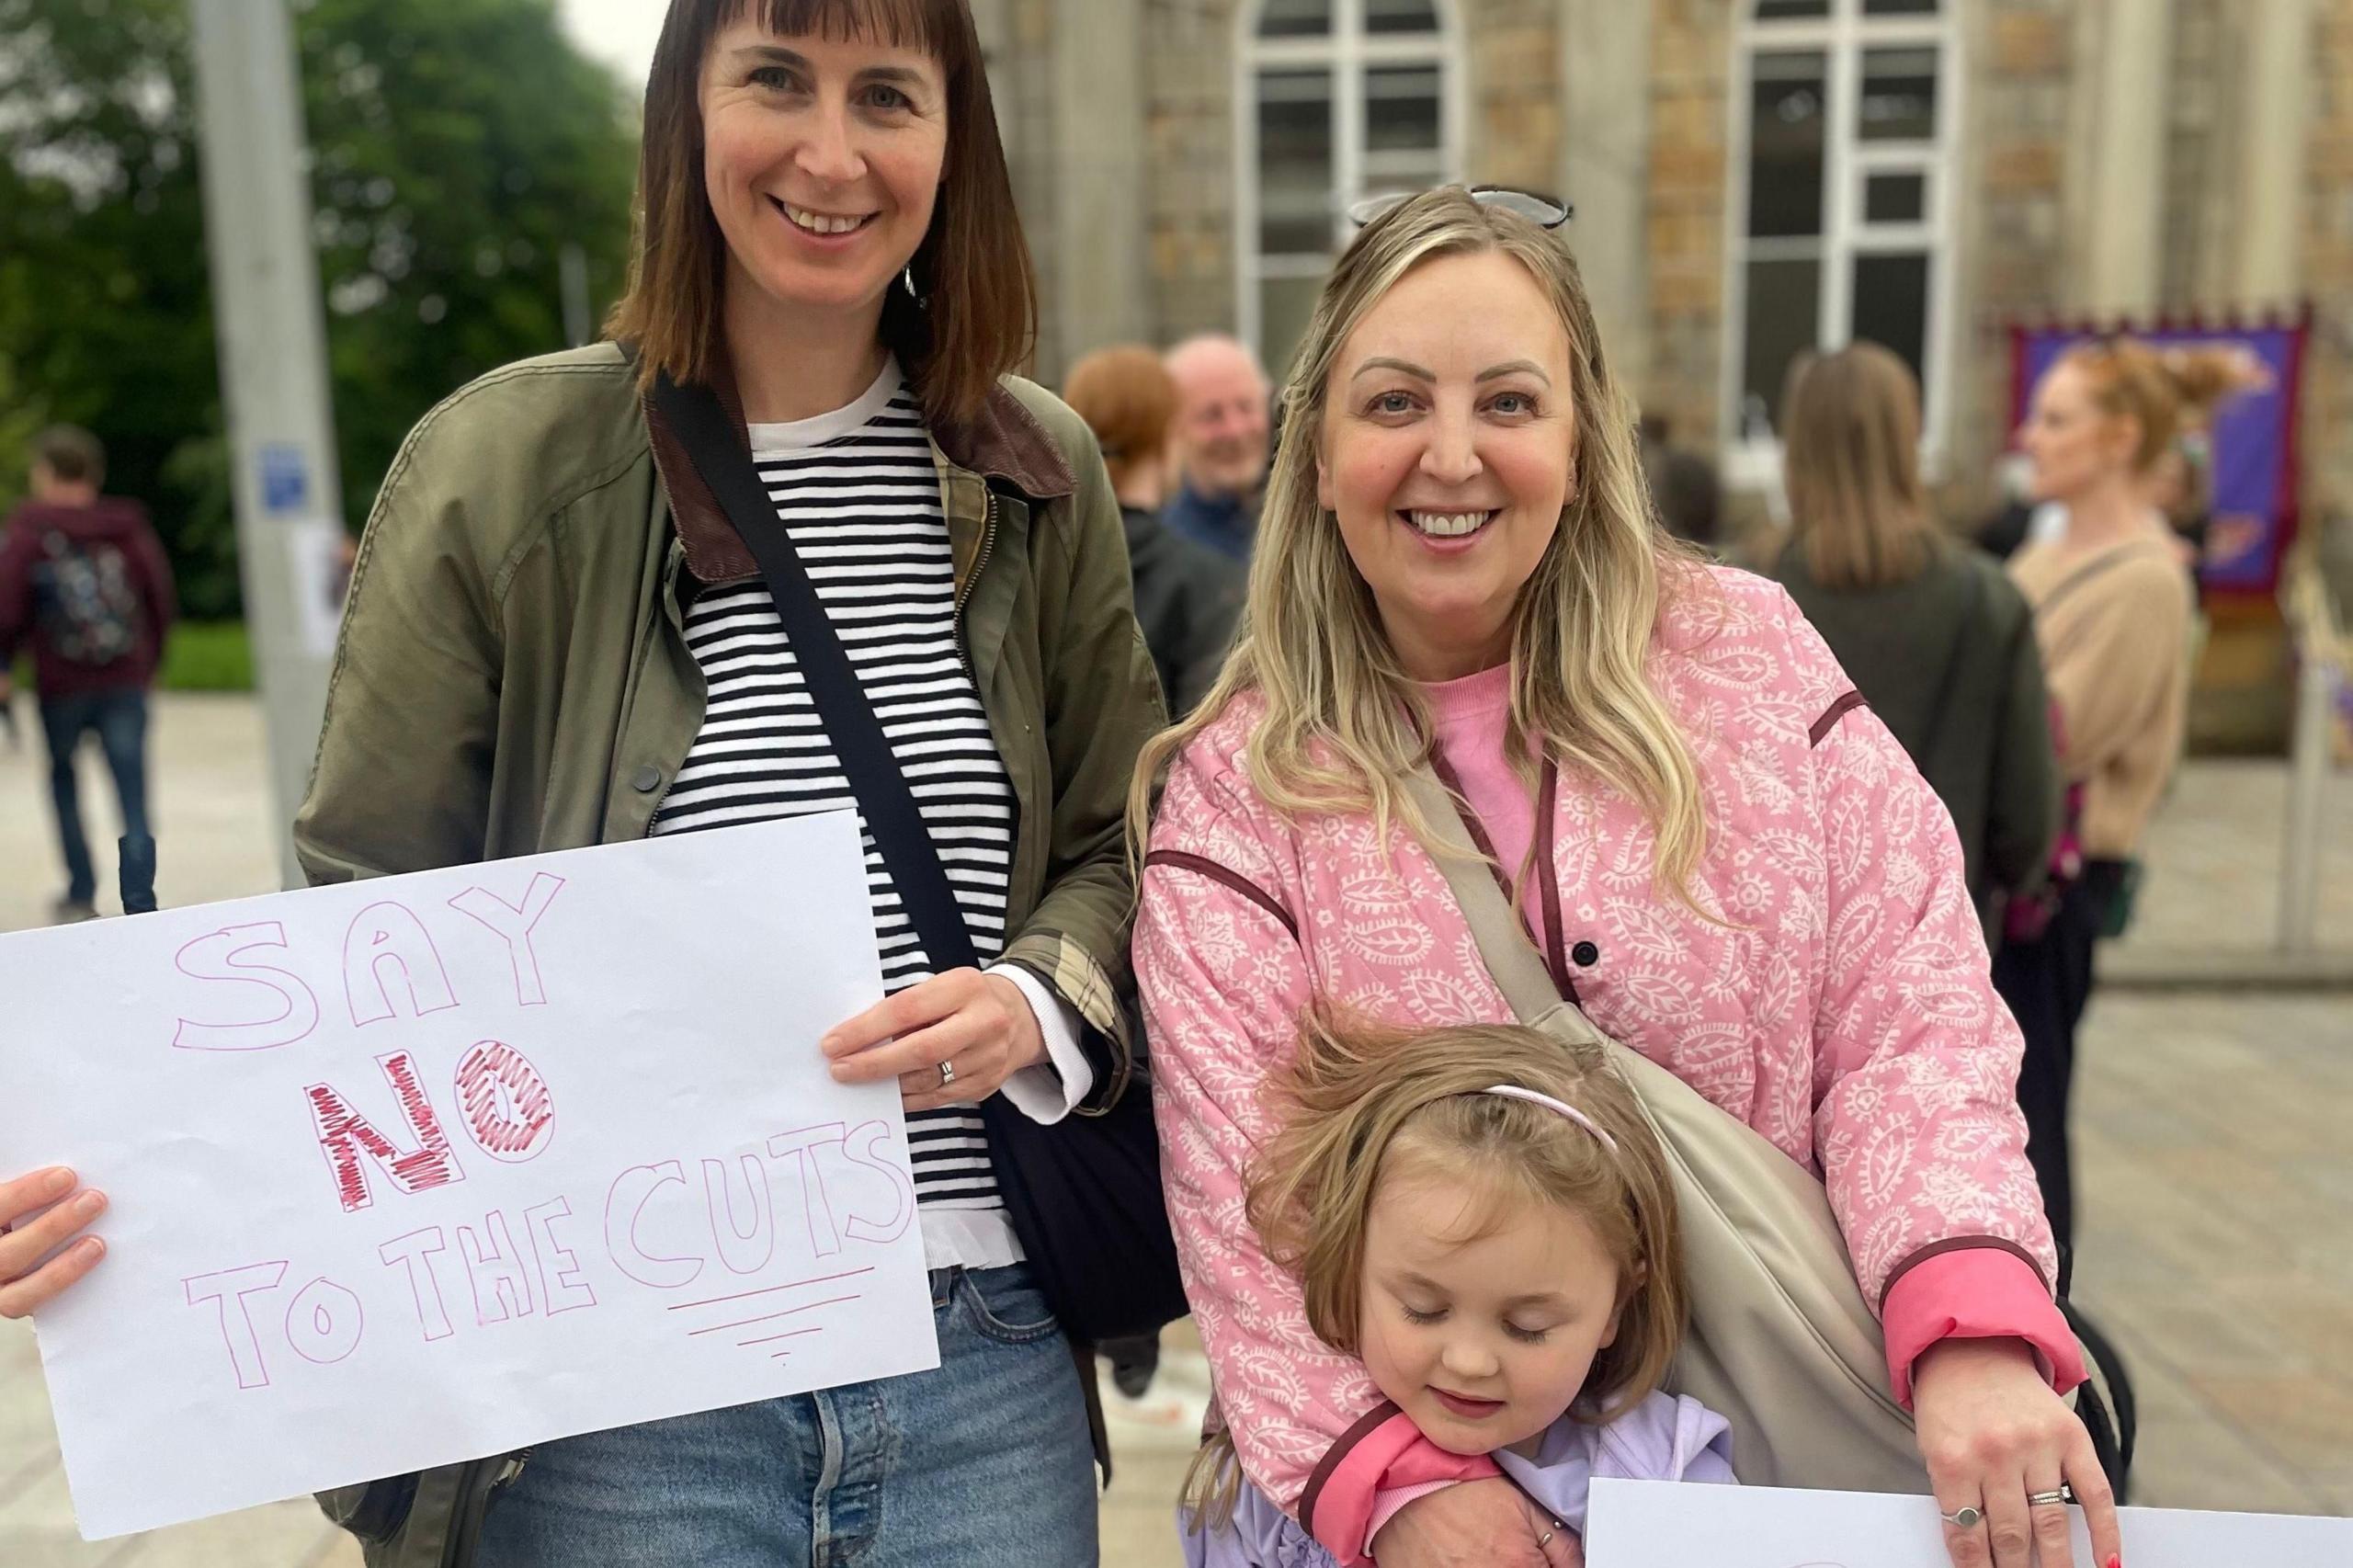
<point>2307,791</point>
<point>571,269</point>
<point>272,335</point>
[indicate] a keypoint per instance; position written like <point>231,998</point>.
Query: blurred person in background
<point>1188,595</point>
<point>1684,485</point>
<point>1187,598</point>
<point>2112,611</point>
<point>84,580</point>
<point>1938,640</point>
<point>1224,441</point>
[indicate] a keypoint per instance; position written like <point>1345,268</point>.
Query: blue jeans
<point>119,720</point>
<point>984,1462</point>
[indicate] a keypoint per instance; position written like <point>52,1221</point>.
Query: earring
<point>908,279</point>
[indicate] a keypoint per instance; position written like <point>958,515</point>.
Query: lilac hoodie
<point>1665,1437</point>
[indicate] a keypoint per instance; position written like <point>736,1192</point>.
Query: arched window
<point>1846,154</point>
<point>1336,99</point>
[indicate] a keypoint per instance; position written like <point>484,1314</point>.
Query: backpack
<point>89,612</point>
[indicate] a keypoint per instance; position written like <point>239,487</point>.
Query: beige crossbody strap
<point>1512,959</point>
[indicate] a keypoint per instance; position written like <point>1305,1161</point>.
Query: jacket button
<point>1584,955</point>
<point>647,780</point>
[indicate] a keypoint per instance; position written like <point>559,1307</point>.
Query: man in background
<point>85,581</point>
<point>1223,418</point>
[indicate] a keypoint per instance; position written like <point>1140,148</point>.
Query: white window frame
<point>1347,52</point>
<point>1848,161</point>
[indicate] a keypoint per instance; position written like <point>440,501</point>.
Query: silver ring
<point>2060,1498</point>
<point>1964,1519</point>
<point>947,1073</point>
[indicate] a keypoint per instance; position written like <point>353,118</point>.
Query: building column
<point>2273,91</point>
<point>1606,85</point>
<point>2116,157</point>
<point>1100,179</point>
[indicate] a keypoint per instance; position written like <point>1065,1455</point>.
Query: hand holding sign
<point>37,1219</point>
<point>441,1166</point>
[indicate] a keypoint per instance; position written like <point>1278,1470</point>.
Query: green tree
<point>457,147</point>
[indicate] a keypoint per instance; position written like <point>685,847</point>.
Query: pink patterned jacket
<point>1842,1008</point>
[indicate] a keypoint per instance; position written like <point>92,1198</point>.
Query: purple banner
<point>2254,455</point>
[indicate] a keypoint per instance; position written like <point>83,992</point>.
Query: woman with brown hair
<point>558,635</point>
<point>2112,610</point>
<point>1936,638</point>
<point>1187,596</point>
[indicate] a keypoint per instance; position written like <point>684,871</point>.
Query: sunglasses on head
<point>1544,211</point>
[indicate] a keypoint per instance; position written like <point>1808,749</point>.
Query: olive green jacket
<point>513,677</point>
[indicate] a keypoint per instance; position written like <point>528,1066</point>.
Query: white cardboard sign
<point>1661,1523</point>
<point>419,1169</point>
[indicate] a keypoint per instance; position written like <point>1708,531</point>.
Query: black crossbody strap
<point>709,436</point>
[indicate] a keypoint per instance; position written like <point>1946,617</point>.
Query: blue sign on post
<point>284,480</point>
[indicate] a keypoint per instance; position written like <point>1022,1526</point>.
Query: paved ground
<point>2218,1180</point>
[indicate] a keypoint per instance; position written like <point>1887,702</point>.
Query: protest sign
<point>425,1168</point>
<point>1659,1524</point>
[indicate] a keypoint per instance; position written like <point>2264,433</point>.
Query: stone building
<point>1751,178</point>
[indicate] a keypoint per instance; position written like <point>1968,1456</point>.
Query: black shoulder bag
<point>1083,1195</point>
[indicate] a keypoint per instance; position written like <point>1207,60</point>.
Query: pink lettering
<point>737,1245</point>
<point>224,956</point>
<point>803,1143</point>
<point>388,934</point>
<point>233,1285</point>
<point>416,1251</point>
<point>624,1201</point>
<point>504,1103</point>
<point>568,1288</point>
<point>498,1266</point>
<point>324,1322</point>
<point>344,1134</point>
<point>865,1146</point>
<point>513,926</point>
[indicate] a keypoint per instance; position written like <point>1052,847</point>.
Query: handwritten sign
<point>1658,1524</point>
<point>425,1168</point>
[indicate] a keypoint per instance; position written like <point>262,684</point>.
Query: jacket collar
<point>1003,444</point>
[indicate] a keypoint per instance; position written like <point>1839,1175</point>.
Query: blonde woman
<point>1938,640</point>
<point>1727,857</point>
<point>2113,612</point>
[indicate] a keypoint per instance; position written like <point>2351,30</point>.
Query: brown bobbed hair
<point>1850,430</point>
<point>2160,388</point>
<point>1129,399</point>
<point>980,295</point>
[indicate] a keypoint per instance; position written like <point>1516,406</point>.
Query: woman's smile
<point>1447,532</point>
<point>818,225</point>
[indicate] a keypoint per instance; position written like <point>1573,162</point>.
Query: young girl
<point>1484,1218</point>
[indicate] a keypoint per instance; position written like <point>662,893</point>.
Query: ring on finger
<point>1967,1517</point>
<point>947,1074</point>
<point>2064,1495</point>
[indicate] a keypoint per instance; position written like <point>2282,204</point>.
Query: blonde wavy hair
<point>1344,722</point>
<point>1362,1103</point>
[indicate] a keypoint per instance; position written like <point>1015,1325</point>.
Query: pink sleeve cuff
<point>1975,1293</point>
<point>1385,1453</point>
<point>1390,1501</point>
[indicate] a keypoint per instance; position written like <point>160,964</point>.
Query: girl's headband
<point>1561,1107</point>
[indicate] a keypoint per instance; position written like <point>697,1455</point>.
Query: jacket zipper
<point>988,543</point>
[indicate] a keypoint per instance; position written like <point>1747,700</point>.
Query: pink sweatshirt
<point>1840,1004</point>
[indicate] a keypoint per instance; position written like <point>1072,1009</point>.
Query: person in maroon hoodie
<point>84,580</point>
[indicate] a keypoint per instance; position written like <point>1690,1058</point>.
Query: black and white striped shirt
<point>857,490</point>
